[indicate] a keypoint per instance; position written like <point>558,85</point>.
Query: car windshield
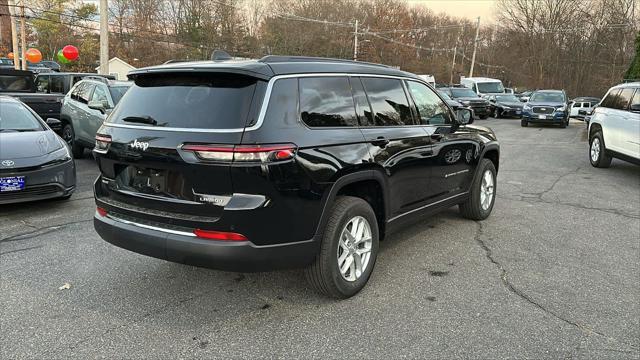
<point>490,87</point>
<point>463,92</point>
<point>16,117</point>
<point>117,92</point>
<point>507,98</point>
<point>444,95</point>
<point>547,97</point>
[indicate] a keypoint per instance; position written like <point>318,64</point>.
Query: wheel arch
<point>363,184</point>
<point>492,152</point>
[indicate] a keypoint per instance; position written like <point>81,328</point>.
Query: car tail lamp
<point>243,153</point>
<point>102,142</point>
<point>219,235</point>
<point>102,212</point>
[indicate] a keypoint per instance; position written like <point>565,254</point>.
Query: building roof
<point>270,66</point>
<point>117,59</point>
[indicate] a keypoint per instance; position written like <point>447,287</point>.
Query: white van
<point>482,85</point>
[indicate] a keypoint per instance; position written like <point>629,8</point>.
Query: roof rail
<point>281,58</point>
<point>96,78</point>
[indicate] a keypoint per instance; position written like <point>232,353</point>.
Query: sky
<point>470,9</point>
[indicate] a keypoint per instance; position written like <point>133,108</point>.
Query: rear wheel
<point>598,152</point>
<point>496,113</point>
<point>482,195</point>
<point>69,136</point>
<point>348,251</point>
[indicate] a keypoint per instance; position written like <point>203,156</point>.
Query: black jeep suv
<point>284,162</point>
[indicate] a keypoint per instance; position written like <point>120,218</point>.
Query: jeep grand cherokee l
<point>284,162</point>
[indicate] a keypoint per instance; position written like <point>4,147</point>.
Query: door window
<point>84,93</point>
<point>611,99</point>
<point>42,83</point>
<point>431,109</point>
<point>363,109</point>
<point>100,94</point>
<point>636,98</point>
<point>56,84</point>
<point>388,101</point>
<point>624,98</point>
<point>327,102</point>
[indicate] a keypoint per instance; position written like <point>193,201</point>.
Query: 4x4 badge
<point>139,145</point>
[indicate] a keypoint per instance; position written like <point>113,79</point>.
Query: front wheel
<point>524,123</point>
<point>496,113</point>
<point>484,117</point>
<point>68,135</point>
<point>482,195</point>
<point>598,152</point>
<point>348,250</point>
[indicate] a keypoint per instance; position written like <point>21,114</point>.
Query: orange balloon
<point>10,55</point>
<point>34,56</point>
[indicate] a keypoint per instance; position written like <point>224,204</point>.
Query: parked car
<point>54,66</point>
<point>85,107</point>
<point>284,162</point>
<point>61,83</point>
<point>614,129</point>
<point>452,103</point>
<point>468,98</point>
<point>35,163</point>
<point>582,103</point>
<point>483,85</point>
<point>546,107</point>
<point>504,105</point>
<point>20,84</point>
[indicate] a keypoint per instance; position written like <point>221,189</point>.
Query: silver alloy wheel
<point>354,248</point>
<point>595,149</point>
<point>486,190</point>
<point>67,135</point>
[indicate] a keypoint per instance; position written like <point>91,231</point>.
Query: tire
<point>484,117</point>
<point>598,151</point>
<point>476,207</point>
<point>496,113</point>
<point>69,136</point>
<point>564,124</point>
<point>324,275</point>
<point>524,123</point>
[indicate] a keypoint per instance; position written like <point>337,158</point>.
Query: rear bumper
<point>181,247</point>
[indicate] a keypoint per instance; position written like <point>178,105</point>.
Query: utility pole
<point>475,48</point>
<point>14,35</point>
<point>455,52</point>
<point>23,36</point>
<point>104,37</point>
<point>355,43</point>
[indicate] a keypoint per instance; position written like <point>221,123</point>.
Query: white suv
<point>614,130</point>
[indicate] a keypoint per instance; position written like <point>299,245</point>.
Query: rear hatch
<point>145,150</point>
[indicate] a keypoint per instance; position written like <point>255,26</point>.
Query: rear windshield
<point>490,87</point>
<point>16,83</point>
<point>195,101</point>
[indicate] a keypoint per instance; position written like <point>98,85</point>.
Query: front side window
<point>431,110</point>
<point>624,99</point>
<point>388,101</point>
<point>610,100</point>
<point>100,95</point>
<point>327,102</point>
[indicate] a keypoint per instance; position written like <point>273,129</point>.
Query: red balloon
<point>34,56</point>
<point>70,52</point>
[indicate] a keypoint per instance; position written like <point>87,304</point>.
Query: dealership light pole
<point>104,37</point>
<point>355,43</point>
<point>475,48</point>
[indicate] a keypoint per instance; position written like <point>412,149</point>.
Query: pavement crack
<point>573,205</point>
<point>539,195</point>
<point>40,231</point>
<point>509,285</point>
<point>20,250</point>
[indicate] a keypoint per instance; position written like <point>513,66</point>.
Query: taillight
<point>102,142</point>
<point>219,235</point>
<point>102,212</point>
<point>243,153</point>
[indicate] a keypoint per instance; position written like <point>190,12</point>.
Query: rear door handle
<point>380,141</point>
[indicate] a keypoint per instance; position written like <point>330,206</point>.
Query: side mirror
<point>54,124</point>
<point>635,107</point>
<point>464,116</point>
<point>97,105</point>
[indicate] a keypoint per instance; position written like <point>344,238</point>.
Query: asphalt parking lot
<point>553,273</point>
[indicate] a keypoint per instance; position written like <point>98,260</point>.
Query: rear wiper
<point>141,119</point>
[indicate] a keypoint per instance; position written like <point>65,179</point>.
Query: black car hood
<point>28,147</point>
<point>453,103</point>
<point>511,104</point>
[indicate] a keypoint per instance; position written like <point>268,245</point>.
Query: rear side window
<point>327,102</point>
<point>611,99</point>
<point>56,84</point>
<point>42,84</point>
<point>388,101</point>
<point>624,98</point>
<point>195,101</point>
